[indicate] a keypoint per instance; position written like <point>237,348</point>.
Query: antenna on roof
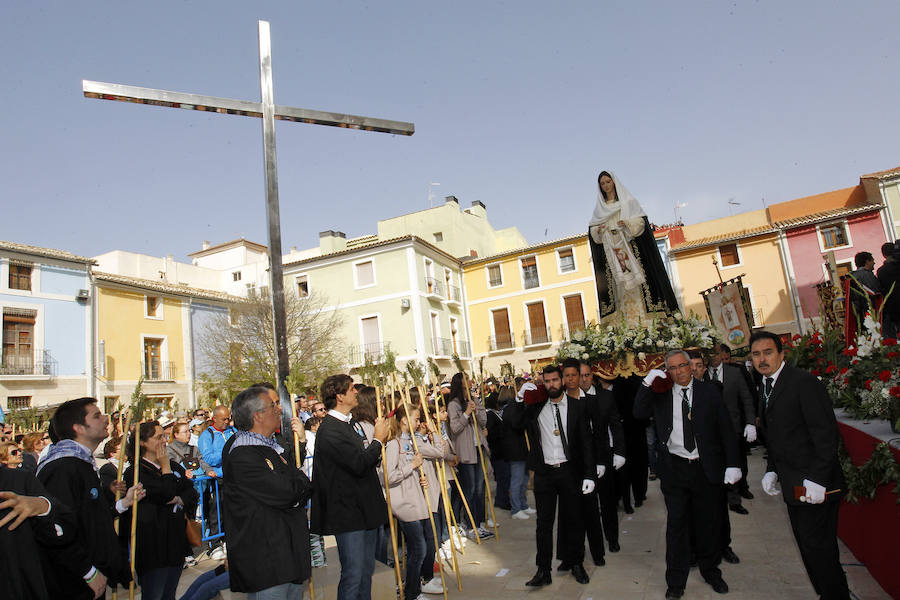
<point>732,204</point>
<point>431,193</point>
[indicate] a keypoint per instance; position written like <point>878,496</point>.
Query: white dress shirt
<point>717,373</point>
<point>774,377</point>
<point>676,439</point>
<point>551,444</point>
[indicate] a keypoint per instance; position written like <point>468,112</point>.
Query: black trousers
<point>693,506</point>
<point>595,522</point>
<point>734,496</point>
<point>634,473</point>
<point>558,486</point>
<point>815,529</point>
<point>606,494</point>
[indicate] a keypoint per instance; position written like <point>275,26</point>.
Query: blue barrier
<point>200,482</point>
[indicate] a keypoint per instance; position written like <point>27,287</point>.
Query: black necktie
<point>562,431</point>
<point>687,429</point>
<point>768,392</point>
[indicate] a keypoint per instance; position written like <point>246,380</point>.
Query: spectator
<point>888,277</point>
<point>183,453</point>
<point>515,449</point>
<point>109,472</point>
<point>161,542</point>
<point>213,439</point>
<point>32,444</point>
<point>209,584</point>
<point>365,412</point>
<point>319,410</point>
<point>197,426</point>
<point>496,433</point>
<point>10,455</point>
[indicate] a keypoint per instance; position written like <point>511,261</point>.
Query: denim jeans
<point>501,475</point>
<point>356,551</point>
<point>518,485</point>
<point>285,591</point>
<point>419,556</point>
<point>159,584</point>
<point>207,586</point>
<point>651,447</point>
<point>472,482</point>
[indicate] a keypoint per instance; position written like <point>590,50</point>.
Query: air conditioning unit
<point>83,294</point>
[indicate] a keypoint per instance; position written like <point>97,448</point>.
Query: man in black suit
<point>697,451</point>
<point>562,458</point>
<point>802,436</point>
<point>347,499</point>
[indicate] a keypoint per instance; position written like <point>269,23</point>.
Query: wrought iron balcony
<point>373,352</point>
<point>160,371</point>
<point>501,342</point>
<point>434,287</point>
<point>39,362</point>
<point>442,347</point>
<point>463,349</point>
<point>454,295</point>
<point>567,330</point>
<point>538,335</point>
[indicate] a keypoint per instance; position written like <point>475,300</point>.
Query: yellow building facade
<point>522,303</point>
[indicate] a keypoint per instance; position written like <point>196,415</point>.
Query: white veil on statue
<point>626,204</point>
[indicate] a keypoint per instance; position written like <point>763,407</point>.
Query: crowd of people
<point>585,446</point>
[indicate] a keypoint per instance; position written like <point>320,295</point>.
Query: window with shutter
<point>495,276</point>
<point>729,255</point>
<point>566,260</point>
<point>574,313</point>
<point>19,277</point>
<point>365,274</point>
<point>530,273</point>
<point>502,336</point>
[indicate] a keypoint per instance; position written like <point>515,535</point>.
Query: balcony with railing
<point>536,336</point>
<point>454,296</point>
<point>160,371</point>
<point>33,364</point>
<point>442,347</point>
<point>374,353</point>
<point>567,330</point>
<point>530,281</point>
<point>434,288</point>
<point>501,342</point>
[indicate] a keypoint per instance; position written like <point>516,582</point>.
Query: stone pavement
<point>770,566</point>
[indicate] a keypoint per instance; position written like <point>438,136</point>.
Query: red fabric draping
<point>871,528</point>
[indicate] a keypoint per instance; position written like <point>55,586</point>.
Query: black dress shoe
<point>564,566</point>
<point>541,578</point>
<point>745,493</point>
<point>738,509</point>
<point>729,556</point>
<point>628,509</point>
<point>692,563</point>
<point>580,574</point>
<point>674,593</point>
<point>652,477</point>
<point>718,585</point>
<point>600,562</point>
<point>638,502</point>
<point>614,547</point>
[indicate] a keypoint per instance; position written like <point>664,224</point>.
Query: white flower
<point>660,344</point>
<point>641,356</point>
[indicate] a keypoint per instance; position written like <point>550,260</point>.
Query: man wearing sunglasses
<point>697,452</point>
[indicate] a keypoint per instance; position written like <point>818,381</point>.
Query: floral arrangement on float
<point>619,349</point>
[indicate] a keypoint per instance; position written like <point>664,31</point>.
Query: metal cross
<point>269,112</point>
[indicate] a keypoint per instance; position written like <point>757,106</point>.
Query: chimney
<point>477,209</point>
<point>449,199</point>
<point>332,241</point>
<point>205,245</point>
<point>293,249</point>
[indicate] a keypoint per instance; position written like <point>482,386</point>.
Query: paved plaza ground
<point>770,566</point>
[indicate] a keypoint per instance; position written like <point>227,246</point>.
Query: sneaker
<point>531,511</point>
<point>433,587</point>
<point>218,553</point>
<point>189,561</point>
<point>485,533</point>
<point>490,524</point>
<point>523,515</point>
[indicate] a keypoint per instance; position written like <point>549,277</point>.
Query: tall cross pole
<point>269,112</point>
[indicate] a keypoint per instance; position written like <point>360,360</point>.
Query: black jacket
<point>514,447</point>
<point>496,429</point>
<point>889,275</point>
<point>716,440</point>
<point>739,400</point>
<point>524,417</point>
<point>264,513</point>
<point>75,483</point>
<point>802,435</point>
<point>347,495</point>
<point>161,538</point>
<point>603,418</point>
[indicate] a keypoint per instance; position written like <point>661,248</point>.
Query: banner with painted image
<point>728,307</point>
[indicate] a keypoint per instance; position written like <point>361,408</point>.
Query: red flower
<point>895,391</point>
<point>797,336</point>
<point>884,375</point>
<point>869,384</point>
<point>892,354</point>
<point>816,372</point>
<point>889,342</point>
<point>831,369</point>
<point>850,352</point>
<point>844,370</point>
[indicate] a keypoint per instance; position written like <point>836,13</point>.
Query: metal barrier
<point>200,482</point>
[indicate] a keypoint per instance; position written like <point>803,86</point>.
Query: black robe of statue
<point>657,289</point>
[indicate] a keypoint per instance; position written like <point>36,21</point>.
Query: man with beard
<point>562,458</point>
<point>83,568</point>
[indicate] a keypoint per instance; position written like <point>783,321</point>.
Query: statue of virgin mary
<point>632,283</point>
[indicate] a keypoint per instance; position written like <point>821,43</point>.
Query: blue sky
<point>516,104</point>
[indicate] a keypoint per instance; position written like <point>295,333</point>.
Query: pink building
<point>844,222</point>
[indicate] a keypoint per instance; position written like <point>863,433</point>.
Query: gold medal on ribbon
<point>269,462</point>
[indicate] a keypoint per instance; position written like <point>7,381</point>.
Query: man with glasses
<point>691,475</point>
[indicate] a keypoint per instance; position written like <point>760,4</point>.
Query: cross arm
<point>140,95</point>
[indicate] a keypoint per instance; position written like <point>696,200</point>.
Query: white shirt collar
<point>339,415</point>
<point>676,390</point>
<point>774,375</point>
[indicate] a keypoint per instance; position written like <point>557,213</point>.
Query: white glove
<point>732,475</point>
<point>653,374</point>
<point>770,483</point>
<point>526,387</point>
<point>601,471</point>
<point>587,486</point>
<point>815,493</point>
<point>750,433</point>
<point>618,462</point>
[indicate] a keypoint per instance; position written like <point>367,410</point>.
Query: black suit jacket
<point>716,441</point>
<point>347,495</point>
<point>524,417</point>
<point>603,416</point>
<point>801,434</point>
<point>739,400</point>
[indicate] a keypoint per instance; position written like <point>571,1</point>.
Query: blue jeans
<point>159,584</point>
<point>518,485</point>
<point>501,475</point>
<point>285,591</point>
<point>356,551</point>
<point>419,556</point>
<point>472,482</point>
<point>207,586</point>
